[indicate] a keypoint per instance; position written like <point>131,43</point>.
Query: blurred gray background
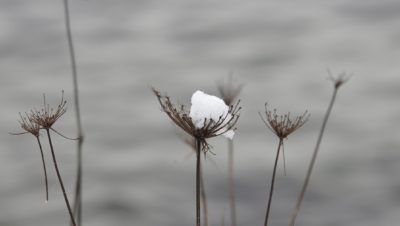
<point>138,172</point>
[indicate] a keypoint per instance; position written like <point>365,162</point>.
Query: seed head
<point>212,128</point>
<point>229,90</point>
<point>28,124</point>
<point>47,116</point>
<point>340,79</point>
<point>283,125</point>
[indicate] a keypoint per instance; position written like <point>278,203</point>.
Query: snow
<point>206,107</point>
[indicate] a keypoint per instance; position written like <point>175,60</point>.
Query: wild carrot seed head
<point>228,90</point>
<point>47,116</point>
<point>283,125</point>
<point>29,125</point>
<point>211,128</point>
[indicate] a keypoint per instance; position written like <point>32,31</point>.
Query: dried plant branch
<point>30,126</point>
<point>282,126</point>
<point>271,190</point>
<point>59,178</point>
<point>78,185</point>
<point>45,119</point>
<point>337,82</point>
<point>211,128</point>
<point>191,142</point>
<point>229,91</point>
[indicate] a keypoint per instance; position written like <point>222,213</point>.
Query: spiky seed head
<point>212,128</point>
<point>47,116</point>
<point>283,125</point>
<point>229,90</point>
<point>29,125</point>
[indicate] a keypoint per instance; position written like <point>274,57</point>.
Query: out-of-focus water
<point>136,170</point>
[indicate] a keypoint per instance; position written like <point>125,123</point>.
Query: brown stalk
<point>78,185</point>
<point>180,116</point>
<point>30,126</point>
<point>337,82</point>
<point>229,91</point>
<point>282,126</point>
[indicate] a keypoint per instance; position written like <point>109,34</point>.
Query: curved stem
<point>198,168</point>
<point>44,169</point>
<point>60,179</point>
<point>314,157</point>
<point>271,190</point>
<point>231,182</point>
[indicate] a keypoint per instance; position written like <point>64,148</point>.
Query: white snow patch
<point>206,107</point>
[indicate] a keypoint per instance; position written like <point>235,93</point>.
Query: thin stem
<point>44,169</point>
<point>271,190</point>
<point>314,157</point>
<point>198,167</point>
<point>203,198</point>
<point>60,179</point>
<point>78,188</point>
<point>231,183</point>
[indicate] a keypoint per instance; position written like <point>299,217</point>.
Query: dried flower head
<point>29,125</point>
<point>283,125</point>
<point>47,116</point>
<point>210,127</point>
<point>229,90</point>
<point>340,79</point>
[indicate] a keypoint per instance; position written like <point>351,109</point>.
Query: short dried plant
<point>36,120</point>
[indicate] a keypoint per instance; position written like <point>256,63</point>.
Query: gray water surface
<point>137,171</point>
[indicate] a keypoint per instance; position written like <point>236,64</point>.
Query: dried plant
<point>78,185</point>
<point>45,118</point>
<point>282,126</point>
<point>191,142</point>
<point>180,116</point>
<point>229,91</point>
<point>29,126</point>
<point>337,83</point>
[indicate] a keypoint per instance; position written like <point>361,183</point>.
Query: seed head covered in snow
<point>209,109</point>
<point>209,116</point>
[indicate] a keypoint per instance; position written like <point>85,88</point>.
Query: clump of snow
<point>207,107</point>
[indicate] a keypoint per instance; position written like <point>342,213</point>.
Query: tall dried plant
<point>282,126</point>
<point>229,91</point>
<point>337,83</point>
<point>78,185</point>
<point>180,116</point>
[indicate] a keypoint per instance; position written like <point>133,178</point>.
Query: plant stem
<point>78,188</point>
<point>231,183</point>
<point>314,157</point>
<point>198,168</point>
<point>271,190</point>
<point>44,169</point>
<point>203,197</point>
<point>60,179</point>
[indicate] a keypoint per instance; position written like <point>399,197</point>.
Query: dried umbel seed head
<point>340,79</point>
<point>229,90</point>
<point>47,116</point>
<point>29,125</point>
<point>283,125</point>
<point>210,127</point>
